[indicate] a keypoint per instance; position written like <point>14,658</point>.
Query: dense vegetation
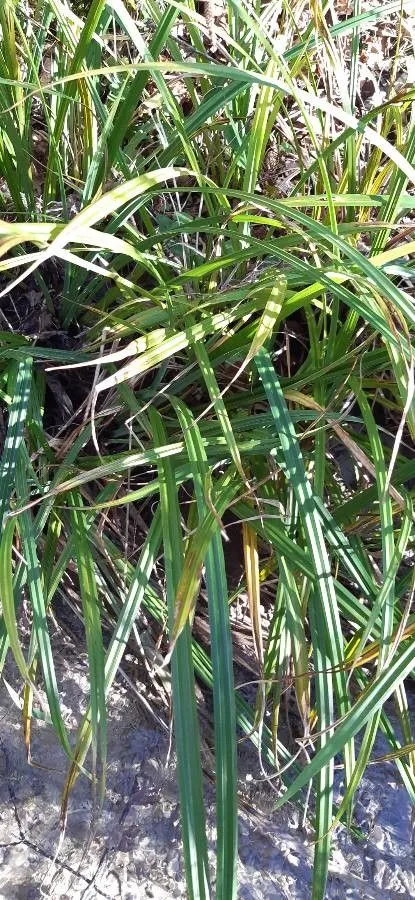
<point>212,221</point>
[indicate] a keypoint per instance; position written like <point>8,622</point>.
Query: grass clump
<point>206,284</point>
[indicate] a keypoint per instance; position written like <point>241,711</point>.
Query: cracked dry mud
<point>135,852</point>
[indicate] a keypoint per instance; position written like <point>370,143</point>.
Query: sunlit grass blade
<point>384,604</point>
<point>217,400</point>
<point>326,625</point>
<point>294,616</point>
<point>222,668</point>
<point>38,604</point>
<point>188,585</point>
<point>377,693</point>
<point>186,727</point>
<point>251,559</point>
<point>19,384</point>
<point>118,643</point>
<point>94,642</point>
<point>80,51</point>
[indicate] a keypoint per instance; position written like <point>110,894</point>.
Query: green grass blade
<point>94,642</point>
<point>327,627</point>
<point>378,692</point>
<point>222,670</point>
<point>19,384</point>
<point>38,603</point>
<point>186,727</point>
<point>118,643</point>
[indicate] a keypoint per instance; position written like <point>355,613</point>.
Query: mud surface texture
<point>135,852</point>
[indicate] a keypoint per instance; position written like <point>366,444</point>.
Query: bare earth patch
<point>135,852</point>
